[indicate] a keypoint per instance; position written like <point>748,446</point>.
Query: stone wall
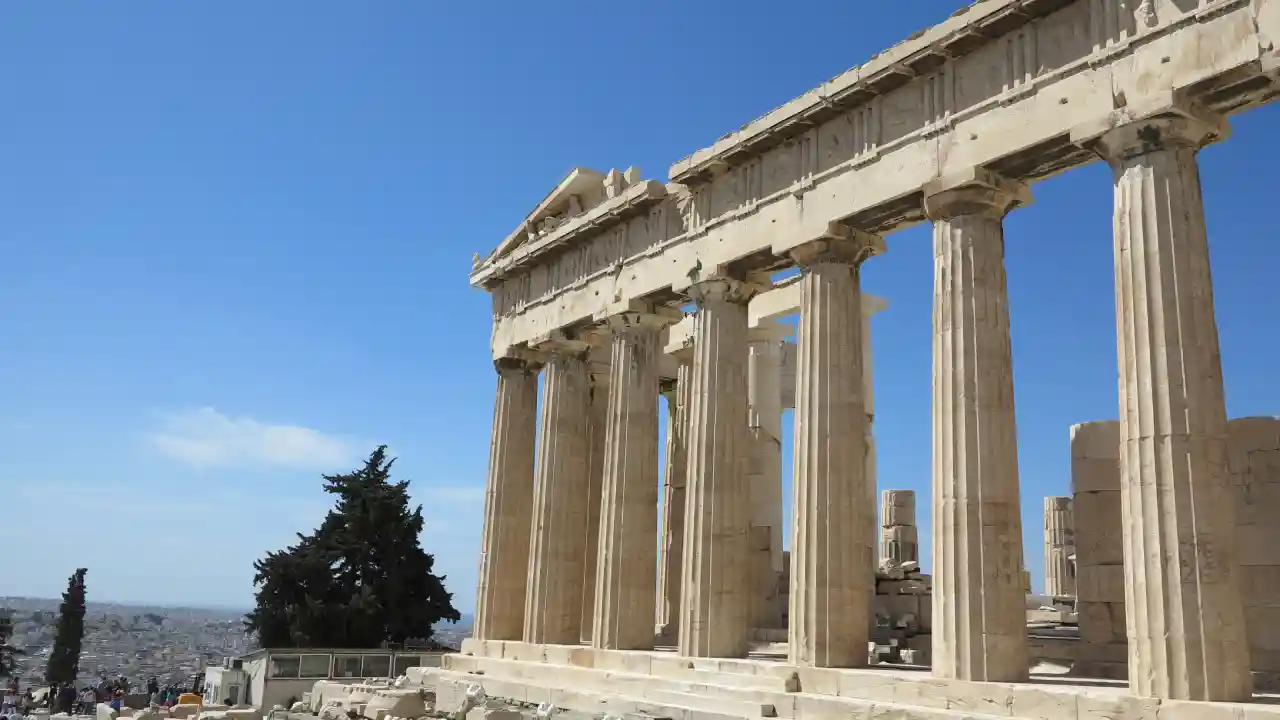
<point>1095,486</point>
<point>1253,460</point>
<point>1253,446</point>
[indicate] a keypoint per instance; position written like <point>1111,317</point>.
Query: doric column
<point>553,607</point>
<point>1059,546</point>
<point>764,472</point>
<point>627,568</point>
<point>673,499</point>
<point>831,548</point>
<point>508,503</point>
<point>1187,637</point>
<point>979,616</point>
<point>716,592</point>
<point>598,372</point>
<point>899,539</point>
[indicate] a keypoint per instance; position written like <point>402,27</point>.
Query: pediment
<point>580,191</point>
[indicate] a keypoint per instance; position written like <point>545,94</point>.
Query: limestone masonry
<point>603,592</point>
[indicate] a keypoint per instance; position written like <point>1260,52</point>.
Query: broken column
<point>1253,462</point>
<point>1095,484</point>
<point>899,541</point>
<point>1059,546</point>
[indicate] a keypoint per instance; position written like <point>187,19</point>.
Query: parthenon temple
<point>623,572</point>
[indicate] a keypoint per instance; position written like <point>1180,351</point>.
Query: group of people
<point>66,698</point>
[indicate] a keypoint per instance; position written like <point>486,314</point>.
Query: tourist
<point>88,699</point>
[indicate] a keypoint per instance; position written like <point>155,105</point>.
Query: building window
<point>404,662</point>
<point>346,666</point>
<point>314,666</point>
<point>284,666</point>
<point>376,666</point>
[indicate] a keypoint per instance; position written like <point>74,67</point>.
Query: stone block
<point>106,712</point>
<point>1100,583</point>
<point>1257,545</point>
<point>1101,622</point>
<point>1099,439</point>
<point>907,534</point>
<point>1264,627</point>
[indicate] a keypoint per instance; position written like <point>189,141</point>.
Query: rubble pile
<point>903,614</point>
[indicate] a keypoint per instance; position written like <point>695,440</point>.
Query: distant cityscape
<point>140,642</point>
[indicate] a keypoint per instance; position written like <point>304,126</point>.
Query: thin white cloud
<point>205,437</point>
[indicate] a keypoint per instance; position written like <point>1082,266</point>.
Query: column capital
<point>1154,134</point>
<point>841,245</point>
<point>565,342</point>
<point>526,362</point>
<point>738,292</point>
<point>652,318</point>
<point>1160,122</point>
<point>976,191</point>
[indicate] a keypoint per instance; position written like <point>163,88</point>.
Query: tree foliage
<point>8,653</point>
<point>64,659</point>
<point>360,579</point>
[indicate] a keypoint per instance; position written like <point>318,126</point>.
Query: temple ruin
<point>597,596</point>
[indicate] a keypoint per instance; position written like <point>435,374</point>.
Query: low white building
<point>269,677</point>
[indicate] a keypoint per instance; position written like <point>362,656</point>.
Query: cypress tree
<point>359,580</point>
<point>64,659</point>
<point>7,652</point>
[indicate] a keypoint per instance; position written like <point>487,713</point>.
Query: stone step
<point>699,694</point>
<point>450,687</point>
<point>717,696</point>
<point>683,705</point>
<point>694,674</point>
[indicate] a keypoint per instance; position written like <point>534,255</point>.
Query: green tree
<point>64,659</point>
<point>359,580</point>
<point>8,653</point>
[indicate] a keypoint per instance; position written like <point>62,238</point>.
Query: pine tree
<point>361,579</point>
<point>64,659</point>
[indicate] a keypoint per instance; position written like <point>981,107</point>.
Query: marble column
<point>899,538</point>
<point>508,502</point>
<point>716,592</point>
<point>764,472</point>
<point>979,616</point>
<point>626,573</point>
<point>1185,615</point>
<point>869,438</point>
<point>553,605</point>
<point>1059,546</point>
<point>599,401</point>
<point>831,547</point>
<point>676,460</point>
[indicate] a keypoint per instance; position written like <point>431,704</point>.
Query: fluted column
<point>831,547</point>
<point>553,606</point>
<point>979,617</point>
<point>673,500</point>
<point>716,603</point>
<point>764,472</point>
<point>1183,603</point>
<point>508,503</point>
<point>597,425</point>
<point>1059,546</point>
<point>899,538</point>
<point>626,573</point>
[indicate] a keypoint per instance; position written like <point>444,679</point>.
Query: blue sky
<point>235,237</point>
